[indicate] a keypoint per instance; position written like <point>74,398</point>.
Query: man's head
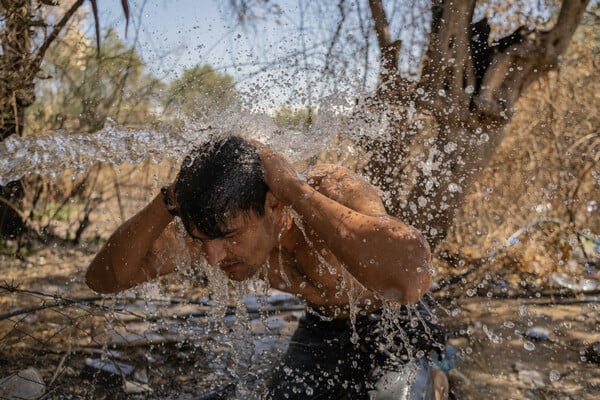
<point>218,180</point>
<point>223,200</point>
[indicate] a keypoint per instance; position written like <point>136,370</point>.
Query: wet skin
<point>342,243</point>
<point>297,262</point>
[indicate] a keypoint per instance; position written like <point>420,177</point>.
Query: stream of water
<point>53,153</point>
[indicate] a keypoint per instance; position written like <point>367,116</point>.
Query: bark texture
<point>469,85</point>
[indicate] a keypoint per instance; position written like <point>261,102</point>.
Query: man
<point>324,237</point>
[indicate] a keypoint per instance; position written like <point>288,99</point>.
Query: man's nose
<point>214,250</point>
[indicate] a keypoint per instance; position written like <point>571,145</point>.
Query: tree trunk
<point>16,80</point>
<point>16,93</point>
<point>470,87</point>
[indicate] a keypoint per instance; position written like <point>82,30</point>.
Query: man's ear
<point>272,204</point>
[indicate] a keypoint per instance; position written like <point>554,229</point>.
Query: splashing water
<point>231,345</point>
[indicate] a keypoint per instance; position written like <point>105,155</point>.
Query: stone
<point>24,385</point>
<point>136,387</point>
<point>537,333</point>
<point>576,284</point>
<point>592,353</point>
<point>107,372</point>
<point>532,379</point>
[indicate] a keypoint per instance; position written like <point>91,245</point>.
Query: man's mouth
<point>230,266</point>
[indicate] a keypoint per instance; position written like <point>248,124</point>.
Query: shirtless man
<point>325,237</point>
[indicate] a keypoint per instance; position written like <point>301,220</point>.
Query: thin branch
<point>513,239</point>
<point>336,35</point>
<point>37,60</point>
<point>390,50</point>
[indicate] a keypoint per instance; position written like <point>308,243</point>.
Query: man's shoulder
<point>346,187</point>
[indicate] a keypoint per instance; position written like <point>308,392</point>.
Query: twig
<point>89,300</point>
<point>560,294</point>
<point>513,239</point>
<point>60,365</point>
<point>217,393</point>
<point>563,301</point>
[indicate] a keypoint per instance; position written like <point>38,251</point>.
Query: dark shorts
<point>322,362</point>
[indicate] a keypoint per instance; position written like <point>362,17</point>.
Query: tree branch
<point>336,35</point>
<point>390,49</point>
<point>522,57</point>
<point>448,66</point>
<point>37,60</point>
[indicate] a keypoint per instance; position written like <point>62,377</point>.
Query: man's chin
<point>242,274</point>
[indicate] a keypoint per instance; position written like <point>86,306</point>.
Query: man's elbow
<point>420,285</point>
<point>415,278</point>
<point>410,288</point>
<point>100,283</point>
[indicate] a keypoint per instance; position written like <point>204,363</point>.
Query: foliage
<point>28,29</point>
<point>289,117</point>
<point>87,86</point>
<point>546,167</point>
<point>199,92</point>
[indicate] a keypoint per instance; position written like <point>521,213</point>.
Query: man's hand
<point>279,173</point>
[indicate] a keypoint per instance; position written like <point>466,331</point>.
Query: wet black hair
<point>217,180</point>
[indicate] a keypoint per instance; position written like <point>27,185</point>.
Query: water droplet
<point>453,188</point>
<point>450,147</point>
<point>442,93</point>
<point>529,346</point>
<point>592,206</point>
<point>469,89</point>
<point>554,375</point>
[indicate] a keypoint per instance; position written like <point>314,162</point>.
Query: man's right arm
<point>129,257</point>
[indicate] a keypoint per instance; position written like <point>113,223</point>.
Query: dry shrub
<point>102,198</point>
<point>547,167</point>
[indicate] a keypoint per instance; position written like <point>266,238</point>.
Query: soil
<point>535,346</point>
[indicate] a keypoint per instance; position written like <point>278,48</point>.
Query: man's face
<point>248,242</point>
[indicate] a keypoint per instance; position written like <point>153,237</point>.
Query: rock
<point>141,375</point>
<point>592,353</point>
<point>24,385</point>
<point>278,298</point>
<point>106,372</point>
<point>136,387</point>
<point>532,379</point>
<point>573,283</point>
<point>537,333</point>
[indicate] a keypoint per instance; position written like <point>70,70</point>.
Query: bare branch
<point>336,35</point>
<point>448,67</point>
<point>390,49</point>
<point>37,60</point>
<point>522,57</point>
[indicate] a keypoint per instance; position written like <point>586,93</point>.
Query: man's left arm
<point>384,254</point>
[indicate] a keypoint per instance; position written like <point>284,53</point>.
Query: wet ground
<point>508,348</point>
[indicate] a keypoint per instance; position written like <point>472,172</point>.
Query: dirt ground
<point>511,348</point>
